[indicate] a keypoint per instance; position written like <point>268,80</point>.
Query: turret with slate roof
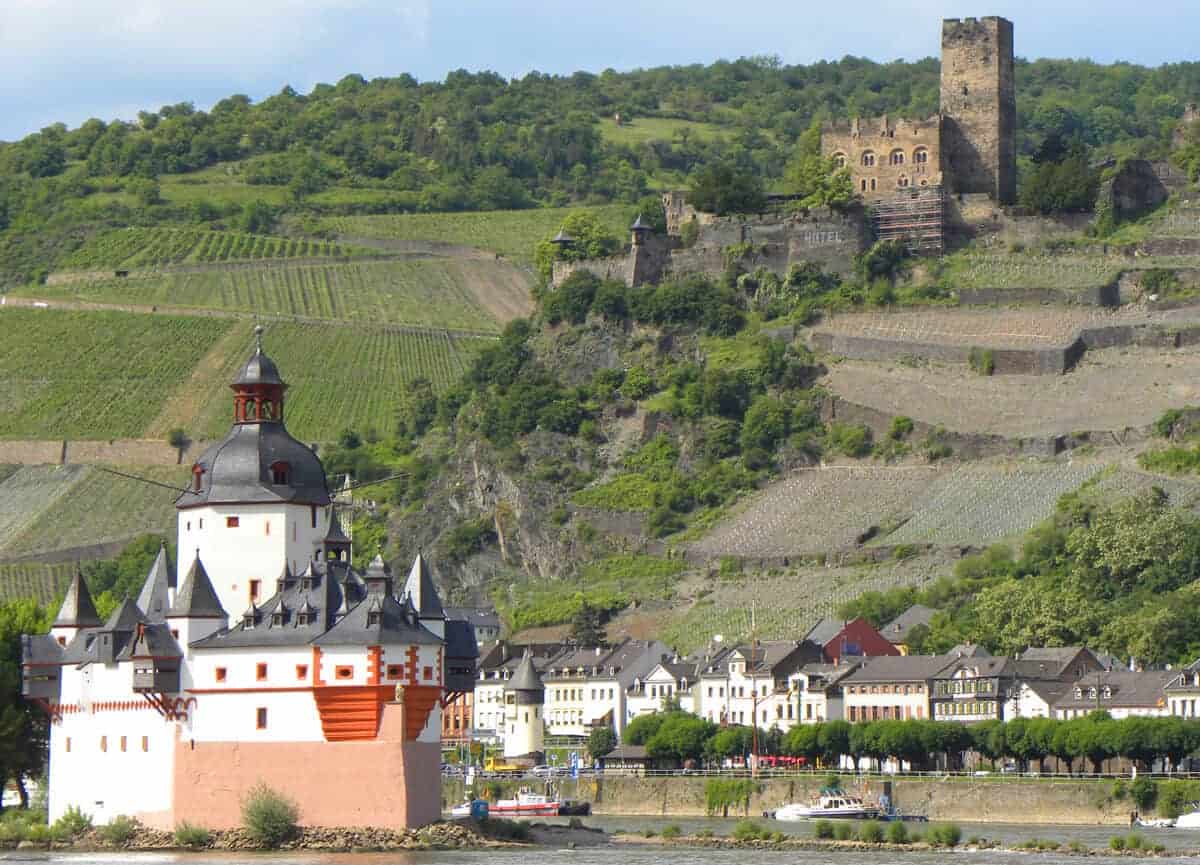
<point>524,697</point>
<point>197,611</point>
<point>420,592</point>
<point>158,589</point>
<point>78,611</point>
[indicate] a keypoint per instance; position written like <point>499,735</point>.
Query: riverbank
<point>993,799</point>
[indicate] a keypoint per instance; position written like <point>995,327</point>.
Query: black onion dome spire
<point>259,369</point>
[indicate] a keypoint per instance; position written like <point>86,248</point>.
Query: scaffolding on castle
<point>917,218</point>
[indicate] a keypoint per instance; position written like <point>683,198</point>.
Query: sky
<point>68,60</point>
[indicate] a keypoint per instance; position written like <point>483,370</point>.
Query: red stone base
<point>384,781</point>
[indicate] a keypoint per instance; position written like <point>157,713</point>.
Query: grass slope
<point>433,293</point>
<point>43,582</point>
<point>30,491</point>
<point>101,508</point>
<point>512,233</point>
<point>94,374</point>
<point>643,129</point>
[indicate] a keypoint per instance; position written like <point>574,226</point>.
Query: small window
<point>260,721</point>
<point>260,672</point>
<point>897,157</point>
<point>104,743</point>
<point>374,617</point>
<point>122,744</point>
<point>68,743</point>
<point>427,673</point>
<point>231,522</point>
<point>175,633</point>
<point>255,586</point>
<point>145,744</point>
<point>343,672</point>
<point>202,522</point>
<point>302,672</point>
<point>868,159</point>
<point>864,185</point>
<point>281,473</point>
<point>62,641</point>
<point>839,159</point>
<point>872,184</point>
<point>267,528</point>
<point>920,156</point>
<point>220,674</point>
<point>312,510</point>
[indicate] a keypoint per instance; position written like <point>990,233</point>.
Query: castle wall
<point>884,156</point>
<point>979,107</point>
<point>380,782</point>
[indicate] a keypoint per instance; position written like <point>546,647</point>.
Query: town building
<point>1183,692</point>
<point>271,661</point>
<point>674,681</point>
<point>1121,693</point>
<point>587,687</point>
<point>892,687</point>
<point>855,638</point>
<point>496,667</point>
<point>818,687</point>
<point>898,630</point>
<point>483,620</point>
<point>748,684</point>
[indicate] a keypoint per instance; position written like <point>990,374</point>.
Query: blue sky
<point>73,59</point>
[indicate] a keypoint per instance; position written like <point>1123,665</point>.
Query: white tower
<point>524,726</point>
<point>258,501</point>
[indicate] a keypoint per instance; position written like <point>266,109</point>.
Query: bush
<point>982,361</point>
<point>188,835</point>
<point>844,832</point>
<point>871,832</point>
<point>177,437</point>
<point>945,835</point>
<point>1116,843</point>
<point>269,817</point>
<point>897,832</point>
<point>119,831</point>
<point>748,830</point>
<point>851,440</point>
<point>672,831</point>
<point>39,834</point>
<point>72,823</point>
<point>703,833</point>
<point>823,829</point>
<point>901,428</point>
<point>1144,792</point>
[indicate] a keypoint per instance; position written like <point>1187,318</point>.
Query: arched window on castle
<point>839,159</point>
<point>897,157</point>
<point>921,156</point>
<point>902,182</point>
<point>280,473</point>
<point>868,159</point>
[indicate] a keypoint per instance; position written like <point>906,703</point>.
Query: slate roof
<point>155,641</point>
<point>526,677</point>
<point>460,640</point>
<point>630,659</point>
<point>77,608</point>
<point>40,650</point>
<point>1127,689</point>
<point>117,634</point>
<point>627,752</point>
<point>478,617</point>
<point>824,631</point>
<point>897,630</point>
<point>196,598</point>
<point>1049,662</point>
<point>391,624</point>
<point>763,659</point>
<point>259,369</point>
<point>984,667</point>
<point>899,668</point>
<point>421,592</point>
<point>827,675</point>
<point>154,599</point>
<point>126,617</point>
<point>1050,690</point>
<point>237,469</point>
<point>335,535</point>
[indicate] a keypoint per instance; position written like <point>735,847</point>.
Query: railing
<point>850,777</point>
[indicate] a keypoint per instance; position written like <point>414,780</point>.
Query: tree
<point>589,239</point>
<point>587,625</point>
<point>640,729</point>
<point>257,217</point>
<point>24,731</point>
<point>816,179</point>
<point>1062,186</point>
<point>681,736</point>
<point>600,741</point>
<point>723,189</point>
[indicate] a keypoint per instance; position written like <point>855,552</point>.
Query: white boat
<point>832,804</point>
<point>1190,820</point>
<point>1160,822</point>
<point>527,804</point>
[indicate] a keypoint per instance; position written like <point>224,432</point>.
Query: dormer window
<point>304,618</point>
<point>277,618</point>
<point>281,473</point>
<point>1107,693</point>
<point>374,617</point>
<point>1079,693</point>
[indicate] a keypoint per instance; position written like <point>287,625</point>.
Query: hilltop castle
<point>968,147</point>
<point>326,684</point>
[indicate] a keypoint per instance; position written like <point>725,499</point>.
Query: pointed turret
<point>378,576</point>
<point>155,598</point>
<point>197,599</point>
<point>421,593</point>
<point>526,679</point>
<point>77,611</point>
<point>126,617</point>
<point>524,725</point>
<point>335,546</point>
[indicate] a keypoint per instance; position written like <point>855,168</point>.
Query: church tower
<point>524,724</point>
<point>257,501</point>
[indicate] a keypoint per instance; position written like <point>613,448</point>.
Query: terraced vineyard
<point>818,511</point>
<point>1030,270</point>
<point>433,293</point>
<point>512,233</point>
<point>351,377</point>
<point>791,602</point>
<point>43,582</point>
<point>981,504</point>
<point>992,327</point>
<point>157,247</point>
<point>93,374</point>
<point>99,509</point>
<point>31,490</point>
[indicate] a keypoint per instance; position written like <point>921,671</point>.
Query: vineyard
<point>979,505</point>
<point>1074,272</point>
<point>430,292</point>
<point>343,377</point>
<point>512,233</point>
<point>44,583</point>
<point>30,491</point>
<point>100,508</point>
<point>158,247</point>
<point>93,374</point>
<point>818,511</point>
<point>787,604</point>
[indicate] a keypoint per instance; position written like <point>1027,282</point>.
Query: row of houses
<point>838,670</point>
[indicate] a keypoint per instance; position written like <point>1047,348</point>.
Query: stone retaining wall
<point>154,452</point>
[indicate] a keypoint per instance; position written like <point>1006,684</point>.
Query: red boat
<point>526,804</point>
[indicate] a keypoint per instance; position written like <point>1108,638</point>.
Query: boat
<point>1162,822</point>
<point>832,804</point>
<point>1190,820</point>
<point>527,804</point>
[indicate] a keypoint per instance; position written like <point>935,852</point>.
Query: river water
<point>1183,842</point>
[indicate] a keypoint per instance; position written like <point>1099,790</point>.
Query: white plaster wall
<point>233,717</point>
<point>106,783</point>
<point>241,668</point>
<point>523,729</point>
<point>488,706</point>
<point>917,704</point>
<point>235,556</point>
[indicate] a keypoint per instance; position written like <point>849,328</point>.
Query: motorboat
<point>526,804</point>
<point>1162,822</point>
<point>830,805</point>
<point>1190,820</point>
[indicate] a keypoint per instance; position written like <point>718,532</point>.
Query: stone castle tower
<point>979,107</point>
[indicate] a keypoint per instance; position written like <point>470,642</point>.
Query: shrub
<point>748,830</point>
<point>703,833</point>
<point>1134,841</point>
<point>189,835</point>
<point>853,440</point>
<point>119,831</point>
<point>823,829</point>
<point>269,817</point>
<point>73,822</point>
<point>871,832</point>
<point>1116,843</point>
<point>648,833</point>
<point>177,437</point>
<point>39,834</point>
<point>901,428</point>
<point>778,837</point>
<point>844,832</point>
<point>1144,792</point>
<point>1077,846</point>
<point>897,832</point>
<point>945,835</point>
<point>1119,791</point>
<point>982,361</point>
<point>672,831</point>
